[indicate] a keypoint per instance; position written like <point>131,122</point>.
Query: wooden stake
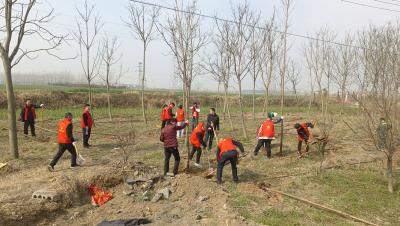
<point>322,207</point>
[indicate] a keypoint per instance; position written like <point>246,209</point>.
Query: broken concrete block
<point>165,193</point>
<point>49,195</point>
<point>202,198</point>
<point>157,197</point>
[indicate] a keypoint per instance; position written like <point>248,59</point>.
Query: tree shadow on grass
<point>246,175</point>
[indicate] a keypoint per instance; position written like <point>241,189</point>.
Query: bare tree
<point>345,66</point>
<point>87,36</point>
<point>293,77</point>
<point>255,55</point>
<point>382,94</point>
<point>20,22</point>
<point>183,35</point>
<point>141,22</point>
<point>269,56</point>
<point>109,58</point>
<point>219,65</point>
<point>287,7</point>
<point>239,45</point>
<point>308,55</point>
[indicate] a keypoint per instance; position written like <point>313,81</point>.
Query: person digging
<point>196,139</point>
<point>168,137</point>
<point>66,141</point>
<point>266,133</point>
<point>226,151</point>
<point>303,134</point>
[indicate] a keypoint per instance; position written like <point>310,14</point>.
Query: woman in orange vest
<point>86,125</point>
<point>196,139</point>
<point>180,120</point>
<point>266,133</point>
<point>226,151</point>
<point>66,141</point>
<point>303,134</point>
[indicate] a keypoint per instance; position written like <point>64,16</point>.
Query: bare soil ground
<point>229,204</point>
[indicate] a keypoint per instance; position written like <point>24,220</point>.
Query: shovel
<point>211,171</point>
<point>80,160</point>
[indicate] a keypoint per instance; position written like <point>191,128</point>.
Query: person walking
<point>212,125</point>
<point>180,120</point>
<point>28,116</point>
<point>266,133</point>
<point>168,137</point>
<point>196,139</point>
<point>86,125</point>
<point>226,151</point>
<point>303,134</point>
<point>66,141</point>
<point>195,113</point>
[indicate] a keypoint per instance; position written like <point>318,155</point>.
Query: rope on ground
<point>319,206</point>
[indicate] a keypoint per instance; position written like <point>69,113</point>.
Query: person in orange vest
<point>226,151</point>
<point>162,115</point>
<point>196,139</point>
<point>195,113</point>
<point>66,141</point>
<point>266,133</point>
<point>28,116</point>
<point>180,120</point>
<point>86,125</point>
<point>167,114</point>
<point>303,134</point>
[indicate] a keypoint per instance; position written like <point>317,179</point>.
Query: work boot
<point>74,166</point>
<point>50,168</point>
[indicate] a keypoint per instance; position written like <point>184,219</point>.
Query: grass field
<point>355,188</point>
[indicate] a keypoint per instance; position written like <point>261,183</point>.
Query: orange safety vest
<point>180,115</point>
<point>90,121</point>
<point>62,131</point>
<point>267,129</point>
<point>193,138</point>
<point>165,114</point>
<point>305,127</point>
<point>226,145</point>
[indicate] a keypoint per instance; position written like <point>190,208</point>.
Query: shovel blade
<point>80,160</point>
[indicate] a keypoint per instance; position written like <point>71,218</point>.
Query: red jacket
<point>303,132</point>
<point>180,115</point>
<point>89,122</point>
<point>26,112</point>
<point>226,145</point>
<point>195,113</point>
<point>168,135</point>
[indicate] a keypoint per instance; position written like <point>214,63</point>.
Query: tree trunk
<point>266,102</point>
<point>225,99</point>
<point>11,106</point>
<point>109,101</point>
<point>90,92</point>
<point>390,173</point>
<point>241,111</point>
<point>254,99</point>
<point>187,98</point>
<point>143,82</point>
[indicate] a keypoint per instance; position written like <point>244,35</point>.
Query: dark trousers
<point>164,123</point>
<point>86,135</point>
<point>263,143</point>
<point>198,154</point>
<point>209,138</point>
<point>61,149</point>
<point>300,144</point>
<point>227,156</point>
<point>168,152</point>
<point>31,124</point>
<point>195,122</point>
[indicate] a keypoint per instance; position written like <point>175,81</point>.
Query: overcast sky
<point>307,17</point>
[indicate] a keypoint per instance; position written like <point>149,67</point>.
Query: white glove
<point>42,105</point>
<point>74,143</point>
<point>282,117</point>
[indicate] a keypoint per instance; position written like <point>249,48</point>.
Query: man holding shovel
<point>212,125</point>
<point>226,151</point>
<point>66,141</point>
